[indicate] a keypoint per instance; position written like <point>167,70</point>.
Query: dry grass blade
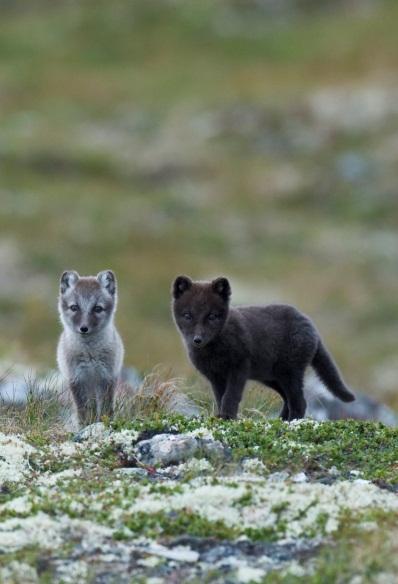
<point>158,392</point>
<point>43,412</point>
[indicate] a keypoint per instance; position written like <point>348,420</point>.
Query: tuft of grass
<point>159,393</point>
<point>42,416</point>
<point>47,412</point>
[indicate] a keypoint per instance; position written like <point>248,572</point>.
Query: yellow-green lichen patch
<point>283,487</point>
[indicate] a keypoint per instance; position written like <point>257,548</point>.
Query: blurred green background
<point>256,139</point>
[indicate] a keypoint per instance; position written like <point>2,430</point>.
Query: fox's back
<point>273,333</point>
<point>276,320</point>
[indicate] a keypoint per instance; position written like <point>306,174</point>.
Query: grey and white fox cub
<point>90,350</point>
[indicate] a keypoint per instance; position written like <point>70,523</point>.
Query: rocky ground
<point>254,139</point>
<point>169,499</point>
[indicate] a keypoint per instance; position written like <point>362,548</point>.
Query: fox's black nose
<point>83,329</point>
<point>197,340</point>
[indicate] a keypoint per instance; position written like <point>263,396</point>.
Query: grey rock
<point>179,403</point>
<point>168,449</point>
<point>13,391</point>
<point>131,376</point>
<point>97,431</point>
<point>322,405</point>
<point>300,477</point>
<point>133,471</point>
<point>353,167</point>
<point>277,477</point>
<point>20,382</point>
<point>256,554</point>
<point>359,109</point>
<point>364,407</point>
<point>213,449</point>
<point>183,559</point>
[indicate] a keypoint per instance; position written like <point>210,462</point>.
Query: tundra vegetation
<point>254,138</point>
<point>153,496</point>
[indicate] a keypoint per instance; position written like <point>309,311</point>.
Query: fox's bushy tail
<point>327,370</point>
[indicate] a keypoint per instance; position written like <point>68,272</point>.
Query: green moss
<point>368,447</point>
<point>9,491</point>
<point>178,523</point>
<point>353,552</point>
<point>33,556</point>
<point>98,490</point>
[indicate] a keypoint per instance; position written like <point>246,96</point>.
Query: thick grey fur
<point>90,350</point>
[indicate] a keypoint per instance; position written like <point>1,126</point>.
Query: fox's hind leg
<point>284,413</point>
<point>292,384</point>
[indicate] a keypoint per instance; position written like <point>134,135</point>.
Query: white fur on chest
<point>90,362</point>
<point>92,366</point>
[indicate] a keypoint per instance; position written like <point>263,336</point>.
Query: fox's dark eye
<point>74,308</point>
<point>98,309</point>
<point>187,316</point>
<point>213,316</point>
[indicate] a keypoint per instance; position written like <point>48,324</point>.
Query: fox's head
<point>87,304</point>
<point>200,309</point>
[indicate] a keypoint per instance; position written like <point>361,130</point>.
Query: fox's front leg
<point>105,398</point>
<point>218,385</point>
<point>233,393</point>
<point>86,403</point>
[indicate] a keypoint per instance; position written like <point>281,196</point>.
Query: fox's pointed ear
<point>68,280</point>
<point>181,284</point>
<point>107,279</point>
<point>222,287</point>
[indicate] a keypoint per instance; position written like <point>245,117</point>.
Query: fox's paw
<point>226,417</point>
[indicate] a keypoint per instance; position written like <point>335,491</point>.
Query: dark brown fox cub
<point>271,344</point>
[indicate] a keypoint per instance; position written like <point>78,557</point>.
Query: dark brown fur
<point>271,344</point>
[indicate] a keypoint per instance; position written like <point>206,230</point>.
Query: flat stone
<point>170,449</point>
<point>97,431</point>
<point>300,477</point>
<point>167,449</point>
<point>213,449</point>
<point>133,471</point>
<point>277,477</point>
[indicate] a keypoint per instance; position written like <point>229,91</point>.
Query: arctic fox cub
<point>271,344</point>
<point>90,350</point>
